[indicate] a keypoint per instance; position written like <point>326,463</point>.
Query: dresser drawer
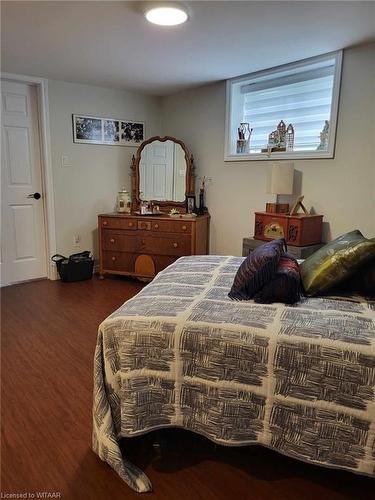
<point>165,244</point>
<point>165,226</point>
<point>118,223</point>
<point>118,261</point>
<point>124,241</point>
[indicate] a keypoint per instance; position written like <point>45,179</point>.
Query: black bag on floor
<point>77,267</point>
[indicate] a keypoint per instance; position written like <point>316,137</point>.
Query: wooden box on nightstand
<point>298,230</point>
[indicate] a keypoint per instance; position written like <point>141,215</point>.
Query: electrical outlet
<point>76,240</point>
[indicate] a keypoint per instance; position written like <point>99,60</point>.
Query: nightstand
<point>250,244</point>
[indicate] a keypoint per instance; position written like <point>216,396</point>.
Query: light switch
<point>66,161</point>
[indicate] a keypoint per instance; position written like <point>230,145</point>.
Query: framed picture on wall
<point>132,133</point>
<point>111,131</point>
<point>87,129</point>
<point>108,131</point>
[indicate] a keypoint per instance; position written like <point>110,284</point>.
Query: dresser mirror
<point>162,172</point>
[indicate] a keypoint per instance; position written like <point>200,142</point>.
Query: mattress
<point>298,379</point>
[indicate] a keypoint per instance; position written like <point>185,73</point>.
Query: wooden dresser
<point>141,246</point>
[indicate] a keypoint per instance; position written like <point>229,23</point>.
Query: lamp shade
<point>281,178</point>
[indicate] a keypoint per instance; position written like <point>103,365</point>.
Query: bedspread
<point>298,379</point>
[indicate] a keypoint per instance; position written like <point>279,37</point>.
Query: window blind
<point>303,99</point>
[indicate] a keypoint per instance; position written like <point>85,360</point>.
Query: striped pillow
<point>256,270</point>
<point>285,286</point>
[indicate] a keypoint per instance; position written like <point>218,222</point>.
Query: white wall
<point>90,186</point>
<point>343,189</point>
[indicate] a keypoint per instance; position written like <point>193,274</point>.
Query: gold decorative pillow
<point>362,281</point>
<point>335,262</point>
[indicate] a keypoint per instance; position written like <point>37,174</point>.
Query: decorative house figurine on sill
<point>281,139</point>
<point>289,138</point>
<point>243,141</point>
<point>323,146</point>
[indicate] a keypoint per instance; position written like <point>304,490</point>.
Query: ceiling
<point>111,44</point>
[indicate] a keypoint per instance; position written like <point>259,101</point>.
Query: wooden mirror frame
<point>189,180</point>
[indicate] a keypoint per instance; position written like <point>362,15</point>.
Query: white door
<point>23,239</point>
<point>156,171</point>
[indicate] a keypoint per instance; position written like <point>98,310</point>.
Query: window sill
<point>301,155</point>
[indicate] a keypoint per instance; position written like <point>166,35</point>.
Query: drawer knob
<point>112,240</point>
<point>184,228</point>
<point>143,243</point>
<point>175,245</point>
<point>130,224</point>
<point>156,226</point>
<point>113,258</point>
<point>105,223</point>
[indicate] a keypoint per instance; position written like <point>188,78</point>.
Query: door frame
<point>41,85</point>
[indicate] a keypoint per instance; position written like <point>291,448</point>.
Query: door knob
<point>36,196</point>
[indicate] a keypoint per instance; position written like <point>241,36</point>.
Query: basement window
<point>288,112</point>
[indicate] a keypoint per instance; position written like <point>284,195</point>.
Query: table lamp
<point>280,181</point>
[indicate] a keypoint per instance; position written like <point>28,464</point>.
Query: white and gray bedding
<point>298,379</point>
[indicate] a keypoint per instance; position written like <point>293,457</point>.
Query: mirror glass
<point>162,172</point>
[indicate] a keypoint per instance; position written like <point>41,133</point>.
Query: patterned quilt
<point>298,379</point>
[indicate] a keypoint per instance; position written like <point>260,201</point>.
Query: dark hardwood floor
<point>48,340</point>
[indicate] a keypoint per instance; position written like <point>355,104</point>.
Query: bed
<point>297,379</point>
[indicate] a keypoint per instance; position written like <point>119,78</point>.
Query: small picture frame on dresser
<point>190,204</point>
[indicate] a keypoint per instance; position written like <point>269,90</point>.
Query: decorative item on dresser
<point>250,244</point>
<point>190,204</point>
<point>146,241</point>
<point>140,246</point>
<point>298,229</point>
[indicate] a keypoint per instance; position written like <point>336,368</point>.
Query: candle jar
<point>123,201</point>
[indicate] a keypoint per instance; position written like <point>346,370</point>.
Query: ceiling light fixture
<point>166,15</point>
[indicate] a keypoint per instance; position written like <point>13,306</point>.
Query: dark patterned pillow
<point>285,286</point>
<point>257,269</point>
